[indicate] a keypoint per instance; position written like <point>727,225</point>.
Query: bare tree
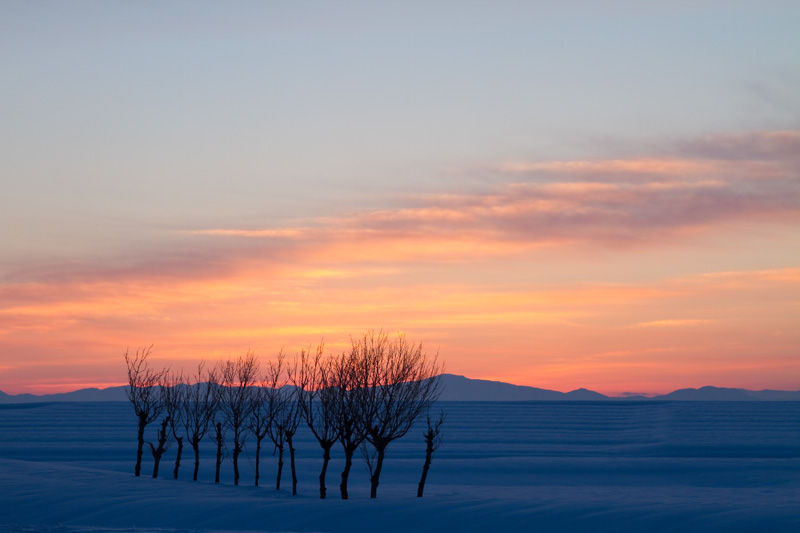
<point>164,441</point>
<point>317,397</point>
<point>169,391</point>
<point>173,393</point>
<point>281,432</point>
<point>369,455</point>
<point>143,393</point>
<point>276,434</point>
<point>287,422</point>
<point>219,439</point>
<point>398,382</point>
<point>433,440</point>
<point>290,422</point>
<point>266,406</point>
<point>237,379</point>
<point>199,409</point>
<point>347,405</point>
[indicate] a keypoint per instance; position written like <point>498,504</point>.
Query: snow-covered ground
<point>583,466</point>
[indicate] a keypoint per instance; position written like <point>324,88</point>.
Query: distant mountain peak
<point>709,393</point>
<point>586,395</point>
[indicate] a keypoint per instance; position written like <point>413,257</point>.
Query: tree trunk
<point>291,462</point>
<point>196,448</point>
<point>376,475</point>
<point>426,466</point>
<point>348,463</point>
<point>178,457</point>
<point>326,457</point>
<point>236,451</point>
<point>156,458</point>
<point>219,451</point>
<point>140,448</point>
<point>280,467</point>
<point>258,459</point>
<point>156,461</point>
<point>158,452</point>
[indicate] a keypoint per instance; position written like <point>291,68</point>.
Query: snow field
<point>527,466</point>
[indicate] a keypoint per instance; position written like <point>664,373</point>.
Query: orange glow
<point>560,338</point>
<point>551,284</point>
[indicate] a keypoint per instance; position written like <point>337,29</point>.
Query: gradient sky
<point>555,194</point>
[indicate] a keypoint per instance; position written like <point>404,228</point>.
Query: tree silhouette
<point>173,393</point>
<point>347,410</point>
<point>143,393</point>
<point>164,440</point>
<point>200,405</point>
<point>433,440</point>
<point>398,382</point>
<point>219,439</point>
<point>317,397</point>
<point>267,405</point>
<point>290,422</point>
<point>282,430</point>
<point>237,378</point>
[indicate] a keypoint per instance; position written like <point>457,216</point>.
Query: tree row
<point>363,398</point>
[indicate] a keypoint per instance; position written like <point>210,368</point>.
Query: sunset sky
<point>555,194</point>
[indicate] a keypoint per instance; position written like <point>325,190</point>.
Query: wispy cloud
<point>249,233</point>
<point>674,322</point>
<point>693,187</point>
<point>769,146</point>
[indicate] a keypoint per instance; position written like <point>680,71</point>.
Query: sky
<point>556,194</point>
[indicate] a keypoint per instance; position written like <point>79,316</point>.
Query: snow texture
<point>545,466</point>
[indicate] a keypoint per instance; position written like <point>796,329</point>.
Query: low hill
<point>722,394</point>
<point>110,394</point>
<point>462,389</point>
<point>775,395</point>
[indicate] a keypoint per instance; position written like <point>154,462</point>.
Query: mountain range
<point>462,389</point>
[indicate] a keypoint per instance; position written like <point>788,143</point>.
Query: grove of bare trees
<point>364,398</point>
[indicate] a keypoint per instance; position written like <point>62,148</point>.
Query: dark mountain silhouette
<point>110,394</point>
<point>462,389</point>
<point>715,394</point>
<point>585,395</point>
<point>722,394</point>
<point>775,395</point>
